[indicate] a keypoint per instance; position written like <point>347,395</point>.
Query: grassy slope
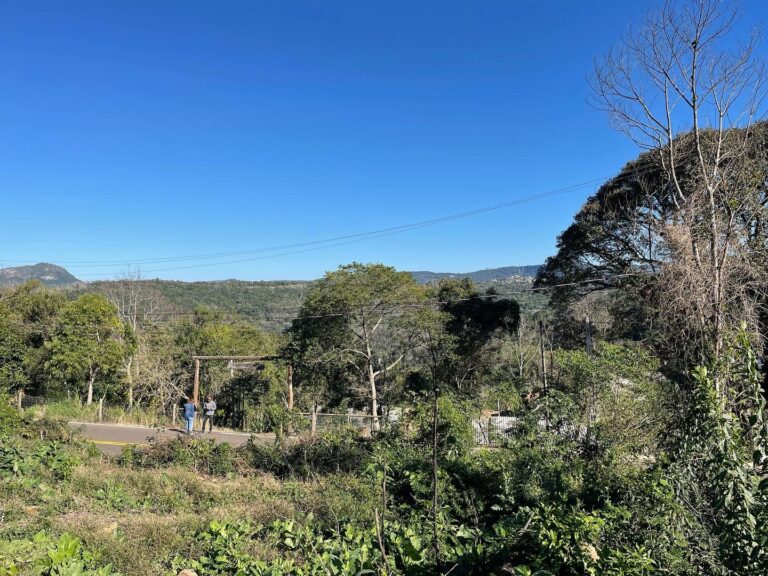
<point>137,520</point>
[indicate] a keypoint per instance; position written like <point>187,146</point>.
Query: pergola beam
<point>196,381</point>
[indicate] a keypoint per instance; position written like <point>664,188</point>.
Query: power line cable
<point>329,242</point>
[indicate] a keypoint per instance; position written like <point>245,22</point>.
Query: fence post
<point>101,409</point>
<point>314,420</point>
<point>19,399</point>
<point>173,414</point>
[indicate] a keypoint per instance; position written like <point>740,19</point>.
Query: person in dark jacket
<point>209,409</point>
<point>189,415</point>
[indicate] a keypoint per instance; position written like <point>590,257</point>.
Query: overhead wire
<point>323,244</point>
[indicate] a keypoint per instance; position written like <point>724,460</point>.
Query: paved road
<point>110,438</point>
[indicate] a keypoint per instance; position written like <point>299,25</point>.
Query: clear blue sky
<point>137,130</point>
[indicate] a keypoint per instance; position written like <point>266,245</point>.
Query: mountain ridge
<point>59,277</point>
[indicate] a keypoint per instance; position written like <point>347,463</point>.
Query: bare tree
<point>139,306</point>
<point>679,87</point>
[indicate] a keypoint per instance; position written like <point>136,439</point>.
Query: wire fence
<point>494,430</point>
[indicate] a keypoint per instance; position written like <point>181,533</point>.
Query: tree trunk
<point>91,378</point>
<point>290,399</point>
<point>374,398</point>
<point>129,377</point>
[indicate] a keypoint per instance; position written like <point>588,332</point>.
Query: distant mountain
<point>48,274</point>
<point>481,276</point>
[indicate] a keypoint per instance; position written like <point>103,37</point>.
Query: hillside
<point>481,276</point>
<point>48,274</point>
<point>270,304</point>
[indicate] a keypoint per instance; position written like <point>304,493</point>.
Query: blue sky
<point>131,131</point>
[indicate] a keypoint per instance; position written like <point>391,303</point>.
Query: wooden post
<point>588,327</point>
<point>173,413</point>
<point>290,399</point>
<point>19,399</point>
<point>101,409</point>
<point>313,429</point>
<point>196,383</point>
<point>290,388</point>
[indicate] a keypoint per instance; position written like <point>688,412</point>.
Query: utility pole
<point>435,541</point>
<point>545,389</point>
<point>592,391</point>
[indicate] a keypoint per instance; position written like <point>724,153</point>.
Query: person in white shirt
<point>209,409</point>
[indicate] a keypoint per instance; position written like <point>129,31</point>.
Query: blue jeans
<point>190,420</point>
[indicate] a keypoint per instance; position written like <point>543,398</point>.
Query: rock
<point>187,572</point>
<point>32,510</point>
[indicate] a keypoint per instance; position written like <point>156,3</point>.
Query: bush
<point>58,461</point>
<point>46,429</point>
<point>9,416</point>
<point>344,451</point>
<point>12,462</point>
<point>199,454</point>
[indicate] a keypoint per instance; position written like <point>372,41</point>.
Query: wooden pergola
<point>196,381</point>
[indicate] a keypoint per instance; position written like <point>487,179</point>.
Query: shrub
<point>56,459</point>
<point>302,549</point>
<point>9,417</point>
<point>12,461</point>
<point>114,497</point>
<point>343,451</point>
<point>199,454</point>
<point>46,556</point>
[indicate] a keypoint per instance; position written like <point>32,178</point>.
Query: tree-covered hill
<point>269,304</point>
<point>480,276</point>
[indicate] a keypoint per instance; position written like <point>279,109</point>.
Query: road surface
<point>110,438</point>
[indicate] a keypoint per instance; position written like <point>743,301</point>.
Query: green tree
<point>13,351</point>
<point>27,316</point>
<point>473,320</point>
<point>89,342</point>
<point>363,316</point>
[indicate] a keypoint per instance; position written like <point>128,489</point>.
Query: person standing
<point>189,415</point>
<point>209,409</point>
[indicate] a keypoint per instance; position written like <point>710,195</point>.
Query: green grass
<point>136,519</point>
